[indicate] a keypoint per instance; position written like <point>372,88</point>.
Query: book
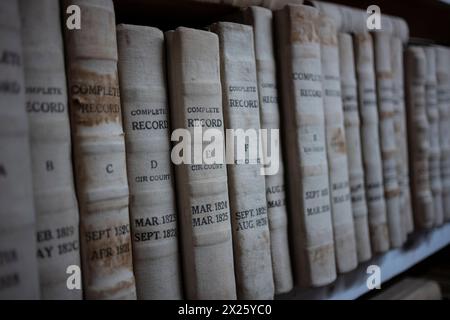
<point>370,141</point>
<point>270,4</point>
<point>352,124</point>
<point>299,67</point>
<point>443,100</point>
<point>201,188</point>
<point>416,66</point>
<point>384,83</point>
<point>336,145</point>
<point>261,19</point>
<point>145,113</point>
<point>246,185</point>
<point>401,135</point>
<point>51,151</point>
<point>99,153</point>
<point>19,276</point>
<point>434,155</point>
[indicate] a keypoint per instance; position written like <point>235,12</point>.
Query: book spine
<point>19,277</point>
<point>202,188</point>
<point>432,112</point>
<point>99,153</point>
<point>416,67</point>
<point>370,139</point>
<point>261,20</point>
<point>46,104</point>
<point>153,212</point>
<point>384,83</point>
<point>336,145</point>
<point>246,185</point>
<point>398,95</point>
<point>299,61</point>
<point>353,142</point>
<point>443,100</point>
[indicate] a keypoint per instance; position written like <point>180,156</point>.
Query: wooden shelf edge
<point>353,284</point>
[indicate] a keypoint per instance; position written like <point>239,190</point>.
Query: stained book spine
<point>46,101</point>
<point>261,20</point>
<point>246,185</point>
<point>367,100</point>
<point>147,136</point>
<point>202,188</point>
<point>398,95</point>
<point>341,206</point>
<point>443,100</point>
<point>383,74</point>
<point>353,142</point>
<point>19,277</point>
<point>299,61</point>
<point>418,136</point>
<point>434,156</point>
<point>99,153</point>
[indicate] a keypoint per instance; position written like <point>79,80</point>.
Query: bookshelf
<point>200,13</point>
<point>353,284</point>
<point>102,165</point>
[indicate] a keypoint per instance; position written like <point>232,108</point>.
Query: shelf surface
<point>352,285</point>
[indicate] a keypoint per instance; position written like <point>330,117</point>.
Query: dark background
<point>427,19</point>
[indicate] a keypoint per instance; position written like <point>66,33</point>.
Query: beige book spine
<point>340,198</point>
<point>202,189</point>
<point>401,134</point>
<point>278,4</point>
<point>51,152</point>
<point>261,20</point>
<point>434,156</point>
<point>384,81</point>
<point>19,276</point>
<point>299,59</point>
<point>416,66</point>
<point>354,150</point>
<point>99,153</point>
<point>246,185</point>
<point>443,100</point>
<point>370,139</point>
<point>153,212</point>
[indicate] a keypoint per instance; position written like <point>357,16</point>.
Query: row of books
<point>99,130</point>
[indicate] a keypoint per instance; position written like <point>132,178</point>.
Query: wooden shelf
<point>353,284</point>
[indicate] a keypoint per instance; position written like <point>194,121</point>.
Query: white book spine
<point>19,277</point>
<point>370,140</point>
<point>261,20</point>
<point>51,152</point>
<point>99,153</point>
<point>341,206</point>
<point>299,59</point>
<point>432,111</point>
<point>416,66</point>
<point>246,185</point>
<point>202,189</point>
<point>384,81</point>
<point>354,149</point>
<point>443,100</point>
<point>153,212</point>
<point>401,134</point>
